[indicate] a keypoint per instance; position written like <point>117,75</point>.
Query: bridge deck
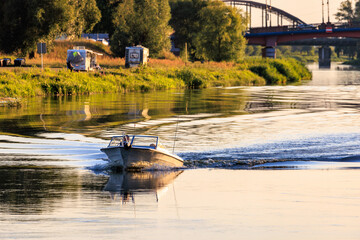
<point>294,35</point>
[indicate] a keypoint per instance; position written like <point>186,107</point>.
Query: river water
<point>272,162</point>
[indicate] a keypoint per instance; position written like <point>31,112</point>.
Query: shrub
<point>269,73</point>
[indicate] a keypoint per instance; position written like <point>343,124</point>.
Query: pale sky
<point>307,10</point>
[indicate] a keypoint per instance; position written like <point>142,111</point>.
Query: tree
<point>107,9</point>
<point>84,16</point>
<point>24,23</point>
<point>249,50</point>
<point>185,22</point>
<point>346,11</point>
<point>142,22</point>
<point>221,35</point>
<point>351,13</point>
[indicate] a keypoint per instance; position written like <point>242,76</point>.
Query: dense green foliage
<point>185,22</point>
<point>24,23</point>
<point>143,22</point>
<point>349,12</point>
<point>107,9</point>
<point>33,82</point>
<point>280,71</point>
<point>211,29</point>
<point>221,35</point>
<point>85,14</point>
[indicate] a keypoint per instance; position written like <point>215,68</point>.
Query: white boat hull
<point>133,158</point>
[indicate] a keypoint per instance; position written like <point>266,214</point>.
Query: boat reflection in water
<point>127,184</point>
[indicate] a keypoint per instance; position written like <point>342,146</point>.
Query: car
<point>306,27</point>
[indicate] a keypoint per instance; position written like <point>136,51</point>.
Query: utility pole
<point>270,13</point>
<point>328,11</point>
<point>323,20</point>
<point>250,15</point>
<point>266,14</point>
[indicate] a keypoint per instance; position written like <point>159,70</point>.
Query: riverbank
<point>353,62</point>
<point>159,75</point>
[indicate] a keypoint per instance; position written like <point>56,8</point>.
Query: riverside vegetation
<point>158,75</point>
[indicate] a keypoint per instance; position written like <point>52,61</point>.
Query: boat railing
<point>140,141</point>
<point>116,141</point>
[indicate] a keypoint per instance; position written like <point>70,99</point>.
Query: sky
<point>307,10</point>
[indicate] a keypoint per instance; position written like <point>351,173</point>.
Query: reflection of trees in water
<point>37,189</point>
<point>95,112</point>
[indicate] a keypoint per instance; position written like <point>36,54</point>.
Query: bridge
<point>266,9</point>
<point>269,36</point>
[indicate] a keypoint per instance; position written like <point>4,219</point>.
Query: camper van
<point>134,56</point>
<point>81,59</point>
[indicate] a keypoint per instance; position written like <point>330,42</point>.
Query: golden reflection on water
<point>202,204</point>
<point>40,201</point>
<point>272,204</point>
<point>90,114</point>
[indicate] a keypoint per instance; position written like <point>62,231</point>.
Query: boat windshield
<point>145,141</point>
<point>116,141</point>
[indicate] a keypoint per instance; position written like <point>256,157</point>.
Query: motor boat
<point>131,152</point>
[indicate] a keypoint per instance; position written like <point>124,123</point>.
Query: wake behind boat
<point>139,151</point>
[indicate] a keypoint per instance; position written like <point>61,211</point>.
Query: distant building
<point>175,50</point>
<point>98,37</point>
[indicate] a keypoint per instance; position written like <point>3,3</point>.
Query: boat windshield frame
<point>117,141</point>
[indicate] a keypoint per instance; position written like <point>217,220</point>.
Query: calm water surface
<point>274,162</point>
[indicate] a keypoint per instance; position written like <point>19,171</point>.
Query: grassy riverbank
<point>353,62</point>
<point>159,75</point>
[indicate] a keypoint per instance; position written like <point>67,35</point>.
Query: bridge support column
<point>325,57</point>
<point>269,50</point>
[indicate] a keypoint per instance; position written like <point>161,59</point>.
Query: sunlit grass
<point>169,73</point>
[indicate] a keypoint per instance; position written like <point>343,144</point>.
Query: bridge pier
<point>325,57</point>
<point>269,52</point>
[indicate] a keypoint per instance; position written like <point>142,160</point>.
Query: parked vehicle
<point>6,62</point>
<point>19,62</point>
<point>134,56</point>
<point>81,59</point>
<point>306,27</point>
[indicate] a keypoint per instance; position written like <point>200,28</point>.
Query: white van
<point>81,59</point>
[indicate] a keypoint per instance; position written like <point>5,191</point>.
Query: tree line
<point>210,29</point>
<point>349,11</point>
<point>23,23</point>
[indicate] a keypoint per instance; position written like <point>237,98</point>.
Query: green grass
<point>280,71</point>
<point>28,82</point>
